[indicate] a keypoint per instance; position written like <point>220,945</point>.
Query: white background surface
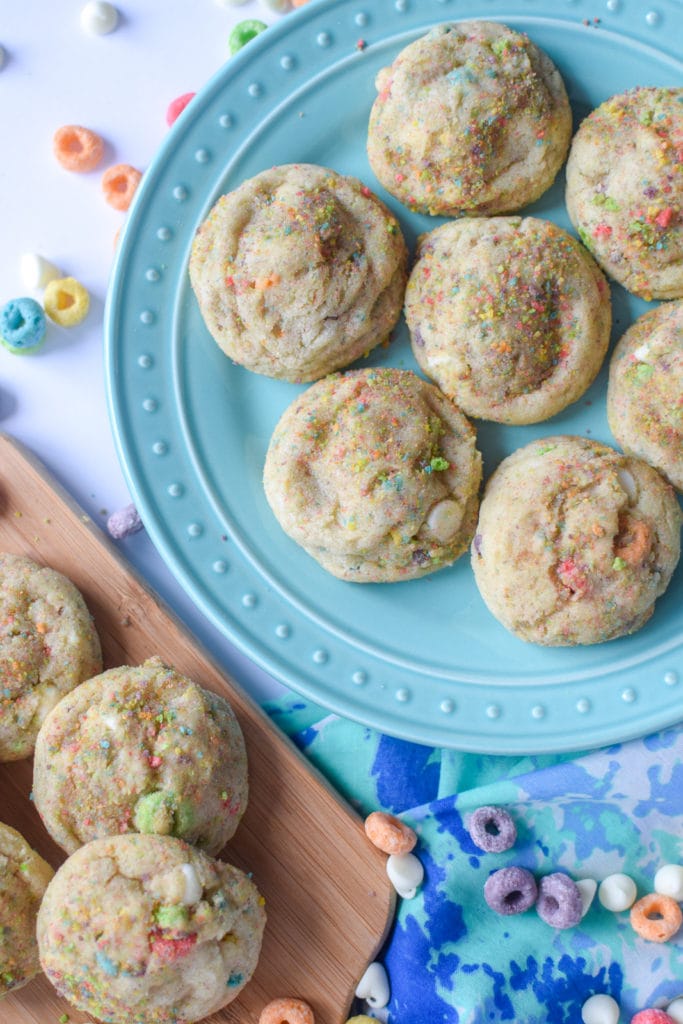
<point>119,85</point>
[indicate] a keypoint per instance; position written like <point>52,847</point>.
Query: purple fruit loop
<point>559,901</point>
<point>510,890</point>
<point>492,829</point>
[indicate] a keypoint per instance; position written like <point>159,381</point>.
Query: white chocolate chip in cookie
<point>445,519</point>
<point>193,887</point>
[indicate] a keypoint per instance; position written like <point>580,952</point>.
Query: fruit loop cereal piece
<point>37,272</point>
<point>287,1011</point>
<point>656,917</point>
<point>99,18</point>
<point>652,1017</point>
<point>600,1009</point>
<point>373,987</point>
<point>22,325</point>
<point>77,148</point>
<point>389,834</point>
<point>405,873</point>
<point>299,3</point>
<point>510,890</point>
<point>559,901</point>
<point>119,184</point>
<point>124,522</point>
<point>617,892</point>
<point>66,301</point>
<point>669,881</point>
<point>279,6</point>
<point>244,32</point>
<point>176,106</point>
<point>492,829</point>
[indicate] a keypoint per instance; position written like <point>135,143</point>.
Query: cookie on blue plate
<point>625,189</point>
<point>299,271</point>
<point>575,542</point>
<point>375,473</point>
<point>472,118</point>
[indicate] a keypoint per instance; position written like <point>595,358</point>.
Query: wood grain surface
<point>328,899</point>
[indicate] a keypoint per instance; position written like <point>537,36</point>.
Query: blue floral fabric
<point>449,957</point>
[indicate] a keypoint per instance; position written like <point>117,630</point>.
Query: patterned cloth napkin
<point>452,960</point>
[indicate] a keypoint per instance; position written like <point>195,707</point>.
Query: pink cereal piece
<point>77,149</point>
<point>652,1017</point>
<point>176,106</point>
<point>287,1011</point>
<point>389,834</point>
<point>119,184</point>
<point>171,949</point>
<point>664,217</point>
<point>656,917</point>
<point>124,522</point>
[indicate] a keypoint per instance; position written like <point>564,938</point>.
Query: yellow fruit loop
<point>66,301</point>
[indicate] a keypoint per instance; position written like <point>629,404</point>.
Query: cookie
<point>148,929</point>
<point>472,118</point>
<point>575,542</point>
<point>375,474</point>
<point>510,316</point>
<point>299,271</point>
<point>645,391</point>
<point>24,876</point>
<point>625,189</point>
<point>48,645</point>
<point>141,749</point>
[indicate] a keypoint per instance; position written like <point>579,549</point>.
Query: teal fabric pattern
<point>449,957</point>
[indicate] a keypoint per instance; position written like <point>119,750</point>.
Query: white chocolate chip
<point>178,885</point>
<point>588,888</point>
<point>111,721</point>
<point>444,519</point>
<point>37,272</point>
<point>373,987</point>
<point>641,353</point>
<point>405,873</point>
<point>628,483</point>
<point>669,881</point>
<point>617,892</point>
<point>675,1010</point>
<point>193,887</point>
<point>600,1009</point>
<point>99,18</point>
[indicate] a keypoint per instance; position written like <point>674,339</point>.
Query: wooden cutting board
<point>328,899</point>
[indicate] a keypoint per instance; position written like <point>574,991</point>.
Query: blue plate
<point>424,659</point>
